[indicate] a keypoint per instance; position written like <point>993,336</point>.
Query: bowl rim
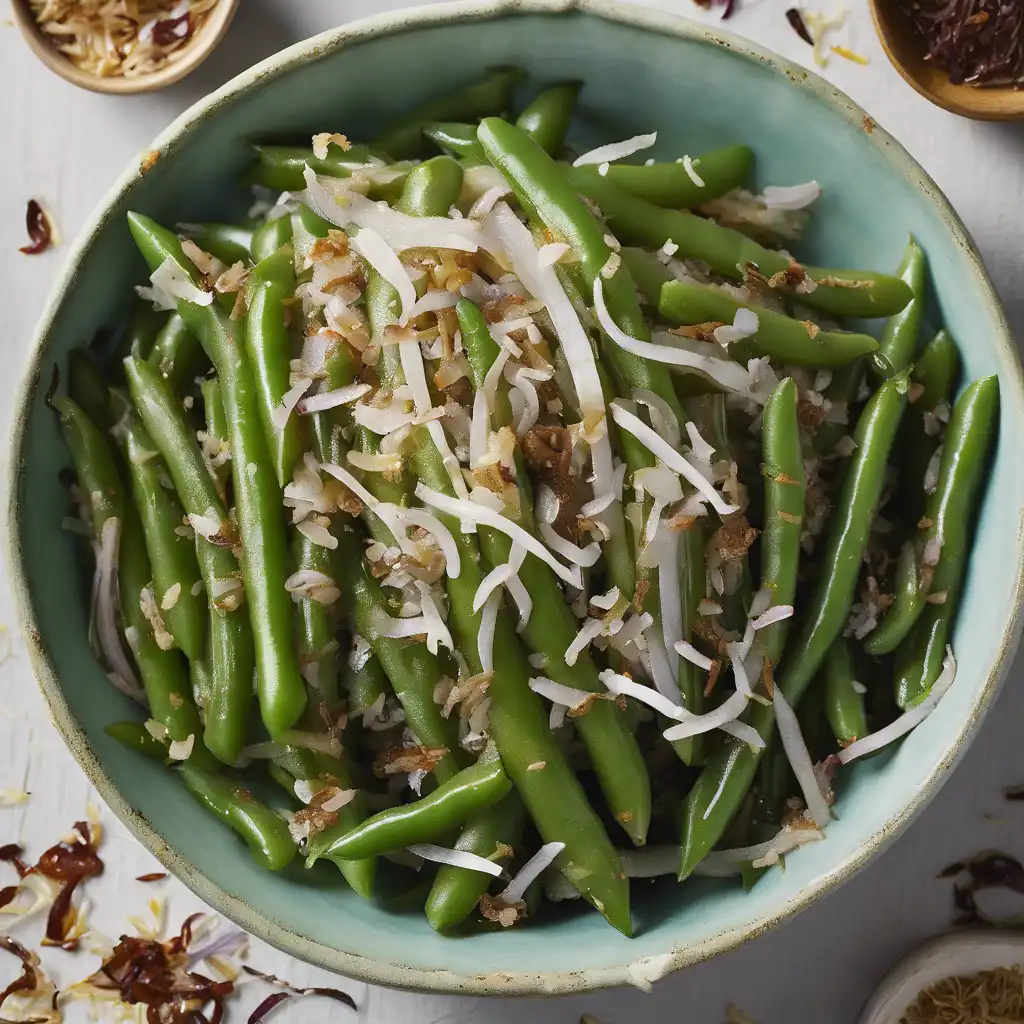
<point>641,971</point>
<point>198,48</point>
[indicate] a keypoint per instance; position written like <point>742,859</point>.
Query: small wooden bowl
<point>195,51</point>
<point>906,51</point>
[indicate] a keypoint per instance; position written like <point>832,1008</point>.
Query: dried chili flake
<point>796,20</point>
<point>153,876</point>
<point>276,998</point>
<point>989,870</point>
<point>40,231</point>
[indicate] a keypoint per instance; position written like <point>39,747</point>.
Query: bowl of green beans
<point>501,516</point>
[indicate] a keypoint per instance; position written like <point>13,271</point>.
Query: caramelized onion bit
<point>276,998</point>
<point>39,230</point>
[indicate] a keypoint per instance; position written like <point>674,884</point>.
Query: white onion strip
<point>385,261</point>
<point>332,399</point>
<point>664,451</point>
<point>774,614</point>
<point>455,858</point>
<point>908,720</point>
<point>445,541</point>
<point>539,862</point>
<point>799,759</point>
<point>289,400</point>
<point>620,684</point>
<point>686,650</point>
<point>559,693</point>
<point>728,374</point>
<point>616,150</point>
<point>485,636</point>
<point>105,596</point>
<point>472,511</point>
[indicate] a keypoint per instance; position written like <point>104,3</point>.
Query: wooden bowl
<point>195,51</point>
<point>906,51</point>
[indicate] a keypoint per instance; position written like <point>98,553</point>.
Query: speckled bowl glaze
<point>643,70</point>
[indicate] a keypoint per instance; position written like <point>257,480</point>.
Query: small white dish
<point>949,956</point>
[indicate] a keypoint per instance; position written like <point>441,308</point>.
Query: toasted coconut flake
<point>531,870</point>
<point>170,283</point>
<point>455,858</point>
<point>799,759</point>
<point>323,140</point>
<point>616,150</point>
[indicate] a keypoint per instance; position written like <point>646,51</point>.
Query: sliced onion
<point>455,858</point>
<point>283,411</point>
<point>531,403</point>
<point>431,302</point>
<point>492,377</point>
<point>474,512</point>
<point>616,150</point>
<point>799,759</point>
<point>663,418</point>
<point>908,720</point>
<point>485,635</point>
<point>724,372</point>
<point>332,399</point>
<point>415,375</point>
<point>385,261</point>
<point>790,197</point>
<point>620,684</point>
<point>559,693</point>
<point>105,597</point>
<point>530,871</point>
<point>664,451</point>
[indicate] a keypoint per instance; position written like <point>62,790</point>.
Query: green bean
<point>841,391</point>
<point>844,704</point>
<point>281,167</point>
<point>456,138</point>
<point>231,654</point>
<point>456,891</point>
<point>230,243</point>
<point>140,332</point>
<point>472,790</point>
<point>784,339</point>
<point>648,273</point>
<point>135,736</point>
<point>270,236</point>
<point>164,677</point>
<point>858,293</point>
<point>964,464</point>
<point>722,785</point>
<point>363,686</point>
<point>910,591</point>
<point>177,354</point>
<point>268,344</point>
<point>933,381</point>
<point>259,512</point>
<point>87,386</point>
<point>785,485</point>
<point>314,767</point>
<point>673,186</point>
<point>176,588</point>
<point>264,832</point>
<point>491,94</point>
<point>216,432</point>
<point>546,118</point>
<point>898,343</point>
<point>551,629</point>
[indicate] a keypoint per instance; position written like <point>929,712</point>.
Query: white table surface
<point>66,146</point>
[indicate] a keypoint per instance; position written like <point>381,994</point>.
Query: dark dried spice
<point>39,230</point>
<point>155,974</point>
<point>276,998</point>
<point>173,30</point>
<point>1014,793</point>
<point>980,42</point>
<point>54,384</point>
<point>70,863</point>
<point>796,20</point>
<point>729,5</point>
<point>990,870</point>
<point>153,876</point>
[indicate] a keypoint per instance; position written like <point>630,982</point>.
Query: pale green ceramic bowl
<point>643,71</point>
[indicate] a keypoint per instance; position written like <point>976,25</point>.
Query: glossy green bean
<point>176,589</point>
<point>456,138</point>
<point>230,243</point>
<point>671,184</point>
<point>455,891</point>
<point>842,391</point>
<point>216,433</point>
<point>950,510</point>
<point>316,623</point>
<point>491,94</point>
<point>140,332</point>
<point>259,511</point>
<point>785,485</point>
<point>281,167</point>
<point>910,589</point>
<point>933,381</point>
<point>264,831</point>
<point>135,736</point>
<point>547,116</point>
<point>231,653</point>
<point>177,354</point>
<point>270,236</point>
<point>268,343</point>
<point>87,386</point>
<point>725,780</point>
<point>857,293</point>
<point>844,703</point>
<point>781,337</point>
<point>425,820</point>
<point>898,342</point>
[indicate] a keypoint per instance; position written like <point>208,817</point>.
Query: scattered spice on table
<point>988,870</point>
<point>288,991</point>
<point>796,20</point>
<point>40,229</point>
<point>113,38</point>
